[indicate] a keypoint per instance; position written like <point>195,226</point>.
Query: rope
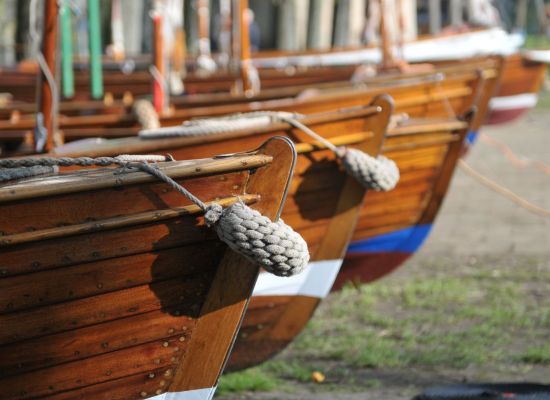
<point>378,173</point>
<point>80,161</point>
<point>274,246</point>
<point>146,114</point>
<point>520,201</point>
<point>518,161</point>
<point>210,126</point>
<point>25,172</point>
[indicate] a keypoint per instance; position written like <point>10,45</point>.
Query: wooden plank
<point>93,278</point>
<point>186,291</point>
<point>50,350</point>
<point>90,371</point>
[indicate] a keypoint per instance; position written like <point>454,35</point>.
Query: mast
<point>158,59</point>
<point>96,76</point>
<point>66,51</point>
<point>246,63</point>
<point>388,60</point>
<point>46,93</point>
<point>203,13</point>
<point>224,38</point>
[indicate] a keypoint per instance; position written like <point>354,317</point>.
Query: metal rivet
<point>171,330</point>
<point>168,372</point>
<point>143,394</point>
<point>151,375</point>
<point>182,339</point>
<point>159,391</point>
<point>165,344</point>
<point>162,383</point>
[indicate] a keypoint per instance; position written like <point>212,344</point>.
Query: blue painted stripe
<point>406,240</point>
<point>471,137</point>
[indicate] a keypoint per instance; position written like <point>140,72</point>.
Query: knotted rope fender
<point>378,173</point>
<point>274,246</point>
<point>146,114</point>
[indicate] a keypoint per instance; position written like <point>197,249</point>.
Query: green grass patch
<point>451,315</point>
<point>537,355</point>
<point>533,42</point>
<point>250,380</point>
<point>445,319</point>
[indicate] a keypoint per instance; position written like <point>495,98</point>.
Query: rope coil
<point>380,173</point>
<point>274,246</point>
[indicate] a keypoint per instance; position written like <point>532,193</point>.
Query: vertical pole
<point>435,16</point>
<point>224,39</point>
<point>132,26</point>
<point>179,49</point>
<point>66,51</point>
<point>292,33</point>
<point>117,30</point>
<point>521,14</point>
<point>158,59</point>
<point>49,41</point>
<point>388,60</point>
<point>94,26</point>
<point>245,46</point>
<point>320,26</point>
<point>203,13</point>
<point>249,74</point>
<point>456,12</point>
<point>357,20</point>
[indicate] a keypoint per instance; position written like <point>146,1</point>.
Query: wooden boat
<point>419,95</point>
<point>522,79</point>
<point>111,285</point>
<point>323,203</point>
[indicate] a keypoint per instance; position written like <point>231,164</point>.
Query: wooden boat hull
<point>521,82</point>
<point>119,291</point>
<point>323,206</point>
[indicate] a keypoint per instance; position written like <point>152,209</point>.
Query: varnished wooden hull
<point>323,206</point>
<point>521,82</point>
<point>142,301</point>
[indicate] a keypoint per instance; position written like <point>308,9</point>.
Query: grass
<point>251,380</point>
<point>537,42</point>
<point>449,315</point>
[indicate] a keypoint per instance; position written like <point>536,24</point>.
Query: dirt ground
<point>476,229</point>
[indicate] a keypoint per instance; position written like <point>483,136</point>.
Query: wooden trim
<point>107,177</point>
<point>117,222</point>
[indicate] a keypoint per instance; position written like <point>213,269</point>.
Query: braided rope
<point>379,173</point>
<point>211,126</point>
<point>80,161</point>
<point>274,246</point>
<point>25,172</point>
<point>146,114</point>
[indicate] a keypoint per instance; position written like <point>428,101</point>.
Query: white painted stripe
<point>518,101</point>
<point>315,281</point>
<point>198,394</point>
<point>542,56</point>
